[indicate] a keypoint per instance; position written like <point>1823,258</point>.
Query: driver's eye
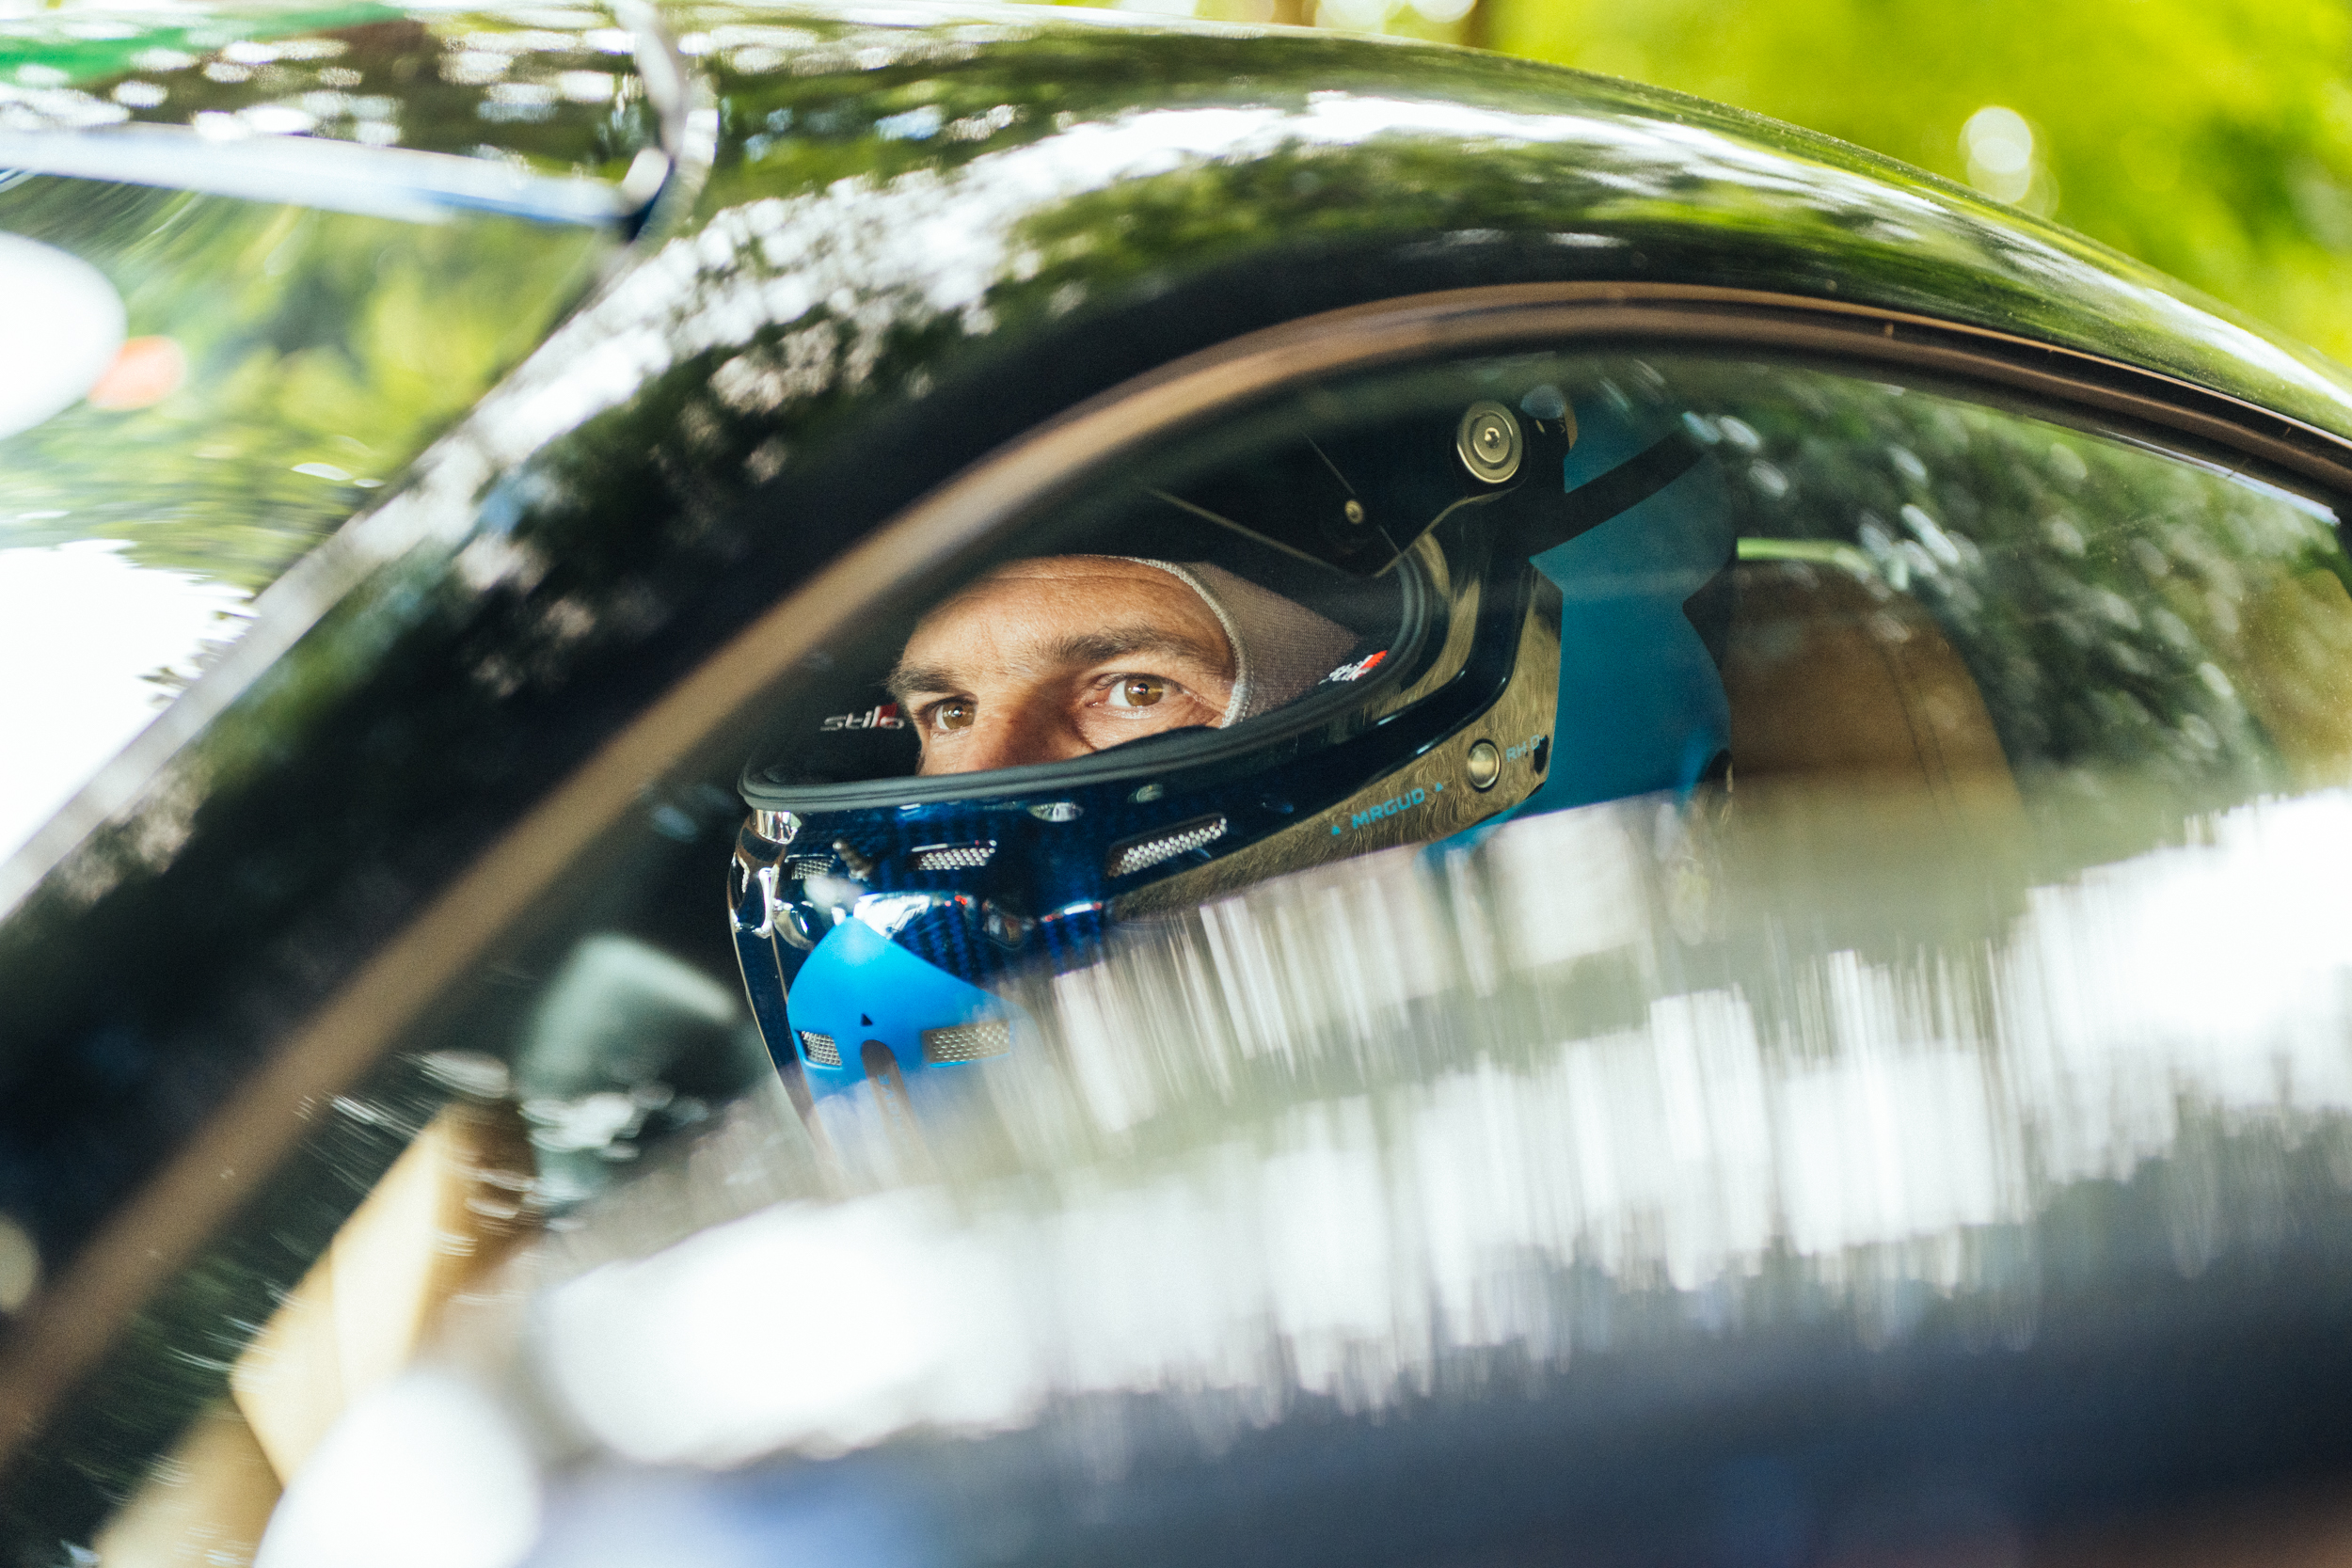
<point>955,715</point>
<point>1137,690</point>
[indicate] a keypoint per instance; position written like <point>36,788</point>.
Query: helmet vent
<point>822,1049</point>
<point>967,1042</point>
<point>953,857</point>
<point>1141,854</point>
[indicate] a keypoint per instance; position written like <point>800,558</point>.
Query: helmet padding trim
<point>1281,649</point>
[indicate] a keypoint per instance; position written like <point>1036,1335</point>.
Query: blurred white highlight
<point>1999,147</point>
<point>65,324</point>
<point>427,1470</point>
<point>815,1328</point>
<point>1307,1157</point>
<point>81,629</point>
<point>2219,971</point>
<point>1355,16</point>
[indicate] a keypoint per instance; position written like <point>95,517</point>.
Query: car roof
<point>1477,152</point>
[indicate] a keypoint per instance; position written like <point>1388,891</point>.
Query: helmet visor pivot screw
<point>1484,765</point>
<point>1489,443</point>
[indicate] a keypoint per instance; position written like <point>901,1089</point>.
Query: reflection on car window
<point>2117,610</point>
<point>273,367</point>
<point>557,82</point>
<point>1394,611</point>
<point>1605,835</point>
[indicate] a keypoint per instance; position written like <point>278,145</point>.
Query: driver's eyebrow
<point>1098,647</point>
<point>905,681</point>
<point>1079,648</point>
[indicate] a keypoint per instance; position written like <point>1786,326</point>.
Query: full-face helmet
<point>1420,609</point>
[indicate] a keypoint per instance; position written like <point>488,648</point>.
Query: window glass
<point>242,378</point>
<point>1749,834</point>
<point>2116,608</point>
<point>2119,611</point>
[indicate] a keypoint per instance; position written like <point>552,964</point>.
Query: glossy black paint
<point>910,246</point>
<point>457,82</point>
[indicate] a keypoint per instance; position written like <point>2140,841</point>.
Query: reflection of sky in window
<point>1370,1157</point>
<point>81,629</point>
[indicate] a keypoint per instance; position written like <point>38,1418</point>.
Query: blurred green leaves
<point>323,351</point>
<point>2212,139</point>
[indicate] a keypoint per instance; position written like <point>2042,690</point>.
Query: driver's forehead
<point>1051,599</point>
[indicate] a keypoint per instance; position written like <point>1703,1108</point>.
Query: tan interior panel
<point>204,1505</point>
<point>2296,668</point>
<point>1836,678</point>
<point>450,1207</point>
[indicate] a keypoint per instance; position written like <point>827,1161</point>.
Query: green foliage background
<point>2212,139</point>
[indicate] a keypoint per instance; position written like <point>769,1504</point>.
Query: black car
<point>953,784</point>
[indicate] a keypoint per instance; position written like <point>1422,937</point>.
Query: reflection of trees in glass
<point>2116,607</point>
<point>1340,146</point>
<point>65,46</point>
<point>335,342</point>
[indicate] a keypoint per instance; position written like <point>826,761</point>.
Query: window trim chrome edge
<point>400,182</point>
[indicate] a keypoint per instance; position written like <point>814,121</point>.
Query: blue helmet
<point>1517,606</point>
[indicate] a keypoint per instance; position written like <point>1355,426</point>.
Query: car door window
<point>1775,732</point>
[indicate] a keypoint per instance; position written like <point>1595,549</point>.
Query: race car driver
<point>1076,738</point>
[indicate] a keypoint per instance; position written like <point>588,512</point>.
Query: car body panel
<point>898,242</point>
<point>1331,149</point>
<point>509,86</point>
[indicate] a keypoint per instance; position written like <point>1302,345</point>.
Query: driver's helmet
<point>1507,603</point>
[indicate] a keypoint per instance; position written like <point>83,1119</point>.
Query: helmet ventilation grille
<point>1141,854</point>
<point>967,1042</point>
<point>953,857</point>
<point>822,1050</point>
